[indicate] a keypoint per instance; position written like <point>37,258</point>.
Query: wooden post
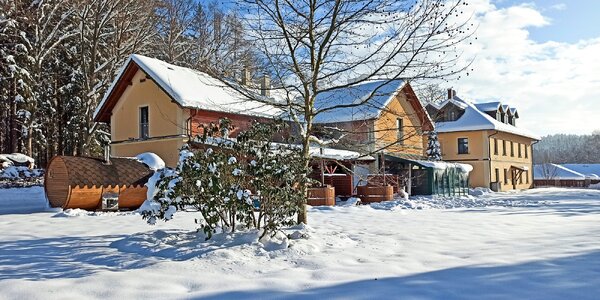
<point>409,187</point>
<point>383,167</point>
<point>322,167</point>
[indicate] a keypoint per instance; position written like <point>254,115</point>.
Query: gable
<point>165,116</point>
<point>188,88</point>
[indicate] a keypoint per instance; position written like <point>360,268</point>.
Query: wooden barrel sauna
<point>369,194</point>
<point>83,182</point>
<point>321,196</point>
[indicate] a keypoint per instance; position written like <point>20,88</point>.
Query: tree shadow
<point>543,201</point>
<point>573,277</point>
<point>180,245</point>
<point>65,257</point>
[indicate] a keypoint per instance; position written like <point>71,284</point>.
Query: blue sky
<point>570,20</point>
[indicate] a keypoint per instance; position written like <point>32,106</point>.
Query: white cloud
<point>558,6</point>
<point>554,85</point>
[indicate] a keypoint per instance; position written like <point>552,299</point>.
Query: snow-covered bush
<point>248,182</point>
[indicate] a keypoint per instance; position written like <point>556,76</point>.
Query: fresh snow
<point>153,161</point>
<point>194,89</point>
<point>475,118</point>
<point>364,101</point>
<point>538,244</point>
<point>16,157</point>
<point>554,171</point>
<point>23,200</point>
<point>589,170</point>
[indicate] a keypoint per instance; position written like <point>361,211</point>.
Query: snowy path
<point>542,244</point>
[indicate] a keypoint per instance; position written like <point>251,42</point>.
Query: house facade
<point>392,127</point>
<point>485,136</point>
<point>153,106</point>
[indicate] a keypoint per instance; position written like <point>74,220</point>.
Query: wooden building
<point>83,182</point>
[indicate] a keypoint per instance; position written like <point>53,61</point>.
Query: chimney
<point>246,78</point>
<point>107,154</point>
<point>265,86</point>
<point>451,93</point>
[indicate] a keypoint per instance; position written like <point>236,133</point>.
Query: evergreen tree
<point>434,152</point>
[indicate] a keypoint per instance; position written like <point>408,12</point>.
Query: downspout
<point>490,155</point>
<point>532,168</point>
<point>188,123</point>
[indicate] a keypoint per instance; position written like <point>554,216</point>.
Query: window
<point>512,149</point>
<point>526,155</point>
<point>519,149</point>
<point>505,176</point>
<point>497,174</point>
<point>527,177</point>
<point>144,122</point>
<point>463,146</point>
<point>495,146</point>
<point>504,147</point>
<point>400,124</point>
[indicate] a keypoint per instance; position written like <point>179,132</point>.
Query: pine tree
<point>434,152</point>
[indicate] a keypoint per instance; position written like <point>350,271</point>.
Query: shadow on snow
<point>575,277</point>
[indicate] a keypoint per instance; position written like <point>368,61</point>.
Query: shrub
<point>248,182</point>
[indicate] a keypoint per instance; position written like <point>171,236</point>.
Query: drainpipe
<point>490,155</point>
<point>532,168</point>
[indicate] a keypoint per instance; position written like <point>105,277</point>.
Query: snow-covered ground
<point>539,244</point>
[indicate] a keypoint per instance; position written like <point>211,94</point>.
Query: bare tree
<point>109,31</point>
<point>317,47</point>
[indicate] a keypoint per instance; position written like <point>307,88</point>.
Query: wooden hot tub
<point>368,194</point>
<point>83,182</point>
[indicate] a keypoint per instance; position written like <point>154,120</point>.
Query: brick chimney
<point>451,93</point>
<point>265,86</point>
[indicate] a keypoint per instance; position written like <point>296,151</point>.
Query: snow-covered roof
<point>589,170</point>
<point>314,151</point>
<point>194,89</point>
<point>554,171</point>
<point>439,106</point>
<point>337,154</point>
<point>16,157</point>
<point>488,106</point>
<point>475,118</point>
<point>378,94</point>
<point>442,165</point>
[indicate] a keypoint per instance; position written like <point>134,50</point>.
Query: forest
<point>58,57</point>
<point>568,148</point>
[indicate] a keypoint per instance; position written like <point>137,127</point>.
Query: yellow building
<point>485,136</point>
<point>154,106</point>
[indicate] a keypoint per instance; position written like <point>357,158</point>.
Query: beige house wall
<point>167,149</point>
<point>503,161</point>
<point>484,160</point>
<point>165,116</point>
<point>386,128</point>
<point>476,157</point>
<point>166,122</point>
